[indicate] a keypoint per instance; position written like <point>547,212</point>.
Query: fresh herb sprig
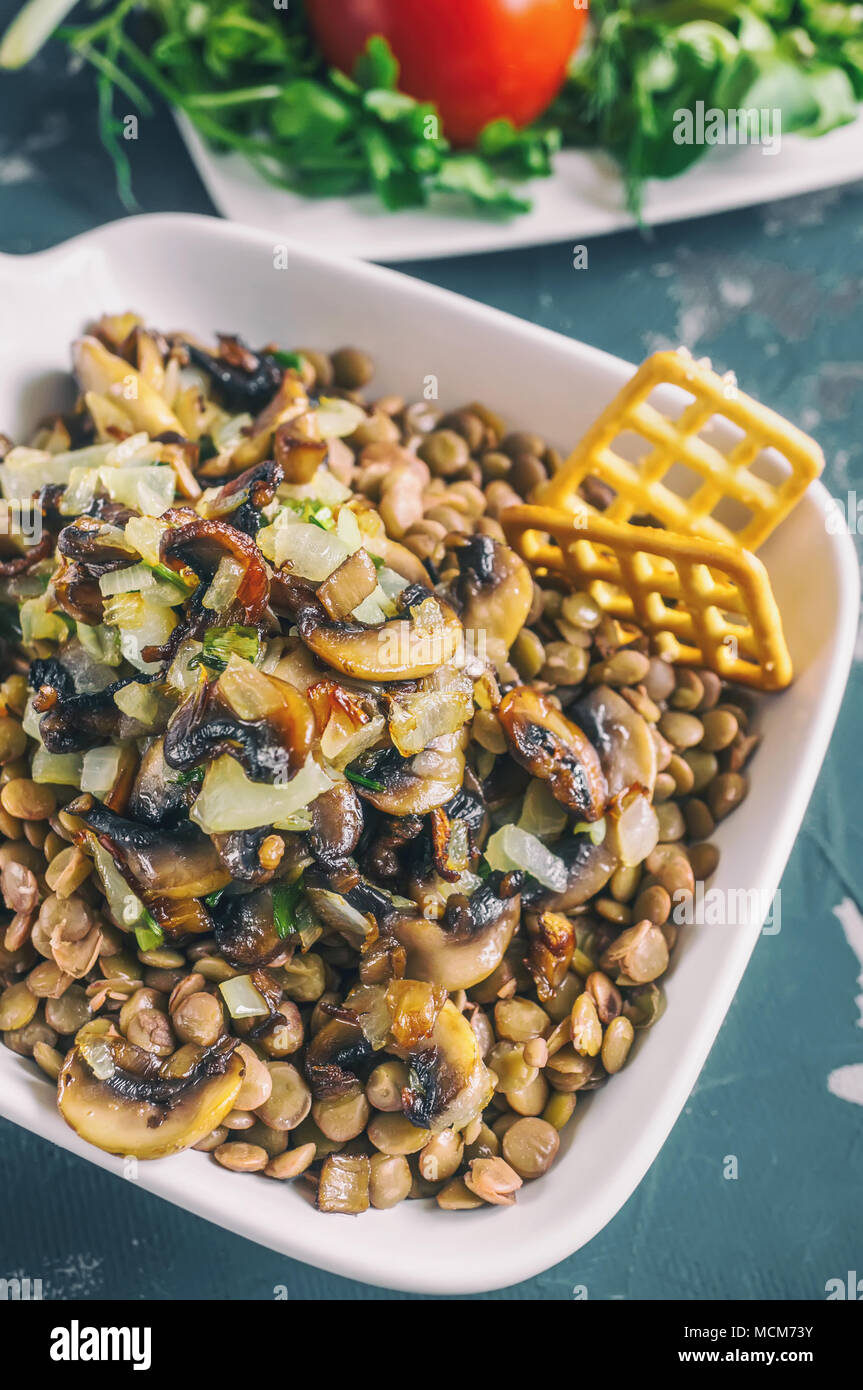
<point>251,80</point>
<point>286,899</point>
<point>650,60</point>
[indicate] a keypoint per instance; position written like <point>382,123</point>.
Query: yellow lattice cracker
<point>731,503</point>
<point>708,604</point>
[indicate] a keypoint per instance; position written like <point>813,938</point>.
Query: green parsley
<point>149,936</point>
<point>220,643</point>
<point>286,900</point>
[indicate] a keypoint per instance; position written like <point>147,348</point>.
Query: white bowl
<point>203,275</point>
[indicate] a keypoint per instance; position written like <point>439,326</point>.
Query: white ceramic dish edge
<point>581,200</point>
<point>197,263</point>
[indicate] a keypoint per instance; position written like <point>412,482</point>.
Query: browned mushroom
<point>169,869</point>
<point>77,592</point>
<point>125,1101</point>
<point>246,930</point>
<point>244,380</point>
<point>158,795</point>
<point>335,1056</point>
<point>495,591</point>
<point>470,941</point>
<point>554,749</point>
<point>71,722</point>
<point>337,823</point>
<point>622,738</point>
<point>201,545</point>
<point>21,563</point>
<point>551,948</point>
<point>588,869</point>
<point>243,497</point>
<point>403,648</point>
<point>263,722</point>
<point>412,786</point>
<point>450,1084</point>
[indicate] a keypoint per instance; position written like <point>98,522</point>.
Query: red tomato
<point>476,60</point>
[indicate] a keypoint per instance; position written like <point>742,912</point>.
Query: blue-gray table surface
<point>776,293</point>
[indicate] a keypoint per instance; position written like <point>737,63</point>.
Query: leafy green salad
<point>251,79</point>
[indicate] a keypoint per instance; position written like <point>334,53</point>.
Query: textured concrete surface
<point>775,293</point>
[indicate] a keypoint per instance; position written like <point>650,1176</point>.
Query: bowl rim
<point>480,1271</point>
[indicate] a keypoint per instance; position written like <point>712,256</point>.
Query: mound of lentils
<point>352,1114</point>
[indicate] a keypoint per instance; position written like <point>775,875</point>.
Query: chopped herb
<point>185,779</point>
<point>290,361</point>
<point>360,781</point>
<point>172,577</point>
<point>595,829</point>
<point>312,510</point>
<point>222,642</point>
<point>286,900</point>
<point>150,936</point>
<point>212,898</point>
<point>483,869</point>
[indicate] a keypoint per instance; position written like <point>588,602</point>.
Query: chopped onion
<point>38,625</point>
<point>97,1054</point>
<point>149,489</point>
<point>342,741</point>
<point>141,624</point>
<point>100,769</point>
<point>89,676</point>
<point>309,928</point>
<point>335,911</point>
<point>182,676</point>
<point>229,800</point>
<point>311,552</point>
<point>25,471</point>
<point>324,487</point>
<point>141,579</point>
<point>511,847</point>
<point>391,582</point>
<point>299,823</point>
<point>225,584</point>
<point>337,417</point>
<point>230,431</point>
<point>101,643</point>
<point>541,814</point>
<point>125,906</point>
<point>139,702</point>
<point>30,720</point>
<point>375,609</point>
<point>145,534</point>
<point>62,769</point>
<point>348,529</point>
<point>80,492</point>
<point>596,829</point>
<point>414,720</point>
<point>242,998</point>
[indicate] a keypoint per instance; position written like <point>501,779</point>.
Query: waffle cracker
<point>749,505</point>
<point>707,604</point>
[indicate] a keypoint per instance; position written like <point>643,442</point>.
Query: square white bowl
<point>204,275</point>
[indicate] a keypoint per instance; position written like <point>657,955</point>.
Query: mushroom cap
<point>144,1115</point>
<point>458,958</point>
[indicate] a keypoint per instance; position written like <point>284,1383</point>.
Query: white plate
<point>204,275</point>
<point>583,199</point>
